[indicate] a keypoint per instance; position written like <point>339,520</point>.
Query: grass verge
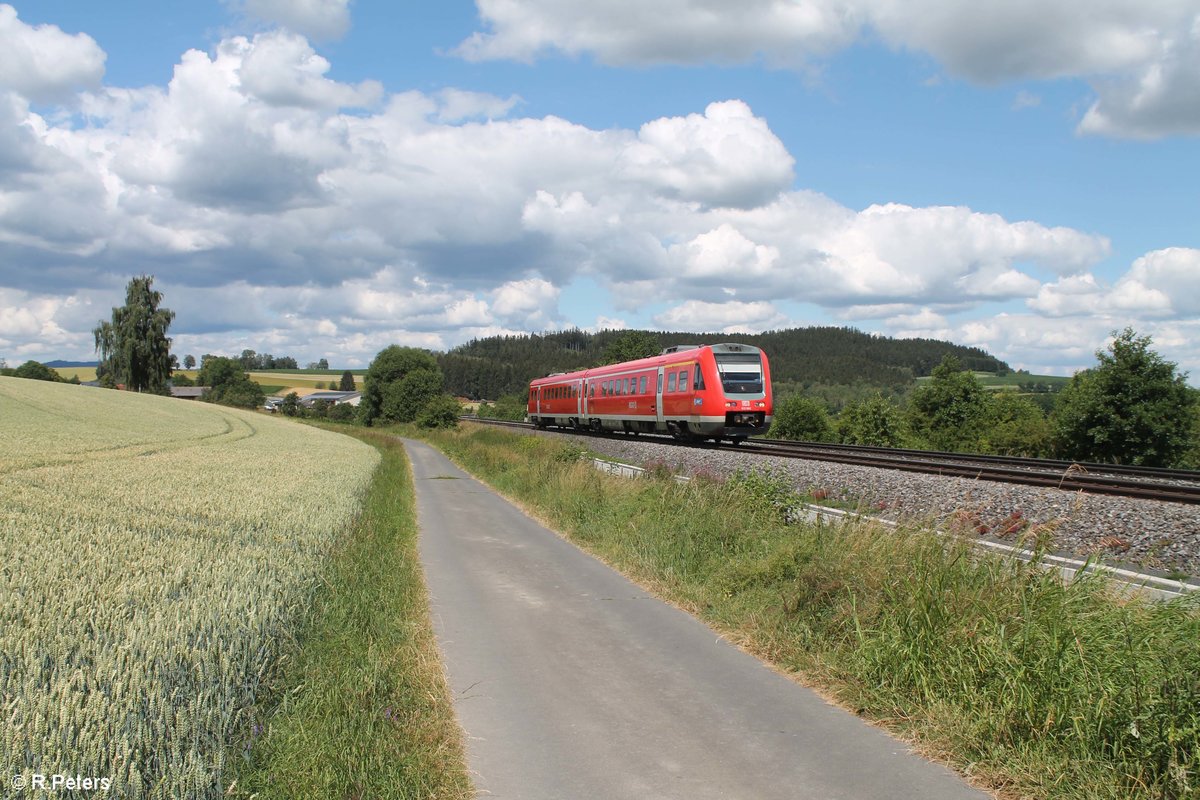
<point>1030,686</point>
<point>359,707</point>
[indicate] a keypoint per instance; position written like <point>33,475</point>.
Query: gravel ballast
<point>1141,534</point>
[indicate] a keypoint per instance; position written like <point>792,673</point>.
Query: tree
<point>398,383</point>
<point>1132,408</point>
<point>229,384</point>
<point>133,346</point>
<point>947,412</point>
<point>1015,426</point>
<point>189,362</point>
<point>290,405</point>
<point>35,370</point>
<point>347,384</point>
<point>873,421</point>
<point>406,398</point>
<point>630,346</point>
<point>803,419</point>
<point>440,412</point>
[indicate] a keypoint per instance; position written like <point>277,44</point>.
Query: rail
<point>1143,483</point>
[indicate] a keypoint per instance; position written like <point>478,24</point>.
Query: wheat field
<point>154,553</point>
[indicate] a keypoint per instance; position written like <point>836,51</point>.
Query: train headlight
<point>760,404</point>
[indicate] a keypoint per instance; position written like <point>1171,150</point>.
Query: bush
<point>802,418</point>
<point>440,412</point>
<point>35,370</point>
<point>874,422</point>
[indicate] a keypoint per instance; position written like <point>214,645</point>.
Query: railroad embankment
<point>1029,685</point>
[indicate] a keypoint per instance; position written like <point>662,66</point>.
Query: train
<point>692,392</point>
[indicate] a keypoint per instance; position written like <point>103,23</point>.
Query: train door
<point>658,400</point>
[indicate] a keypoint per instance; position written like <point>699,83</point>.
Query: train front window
<point>741,373</point>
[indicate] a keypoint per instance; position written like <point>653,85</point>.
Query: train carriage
<point>720,391</point>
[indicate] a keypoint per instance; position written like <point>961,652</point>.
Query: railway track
<point>1162,485</point>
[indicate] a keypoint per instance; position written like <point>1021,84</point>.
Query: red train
<point>720,391</point>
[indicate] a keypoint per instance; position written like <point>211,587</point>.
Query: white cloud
<point>1161,284</point>
<point>322,20</point>
<point>457,105</point>
<point>273,220</point>
<point>1166,280</point>
<point>730,317</point>
<point>669,31</point>
<point>725,157</point>
<point>724,256</point>
<point>44,64</point>
<point>282,69</point>
<point>1142,59</point>
<point>530,304</point>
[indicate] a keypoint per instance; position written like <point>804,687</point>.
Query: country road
<point>572,683</point>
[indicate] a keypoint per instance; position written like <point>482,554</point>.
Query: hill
<point>499,365</point>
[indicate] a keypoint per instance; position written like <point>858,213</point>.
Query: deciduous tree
<point>133,346</point>
<point>947,412</point>
<point>803,419</point>
<point>873,421</point>
<point>398,384</point>
<point>229,384</point>
<point>1132,408</point>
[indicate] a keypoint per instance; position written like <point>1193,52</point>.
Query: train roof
<point>649,361</point>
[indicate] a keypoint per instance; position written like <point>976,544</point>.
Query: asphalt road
<point>572,683</point>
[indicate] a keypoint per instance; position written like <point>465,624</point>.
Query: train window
<point>683,381</point>
<point>626,385</point>
<point>699,379</point>
<point>671,382</point>
<point>659,389</point>
<point>591,390</point>
<point>740,373</point>
<point>642,385</point>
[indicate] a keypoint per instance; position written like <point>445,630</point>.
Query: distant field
<point>1014,380</point>
<point>156,554</point>
<point>83,373</point>
<point>292,379</point>
<point>280,381</point>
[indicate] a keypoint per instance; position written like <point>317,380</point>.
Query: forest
<point>805,358</point>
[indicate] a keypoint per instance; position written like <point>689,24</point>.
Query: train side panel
<point>711,391</point>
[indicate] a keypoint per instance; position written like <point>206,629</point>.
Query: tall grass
<point>361,708</point>
<point>1033,686</point>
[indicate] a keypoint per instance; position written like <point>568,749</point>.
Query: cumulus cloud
<point>44,64</point>
<point>1142,59</point>
<point>276,220</point>
<point>667,32</point>
<point>1162,283</point>
<point>731,317</point>
<point>282,69</point>
<point>321,20</point>
<point>725,157</point>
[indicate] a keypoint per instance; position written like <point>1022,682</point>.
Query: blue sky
<point>320,178</point>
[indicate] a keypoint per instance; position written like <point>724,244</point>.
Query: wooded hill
<point>498,365</point>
